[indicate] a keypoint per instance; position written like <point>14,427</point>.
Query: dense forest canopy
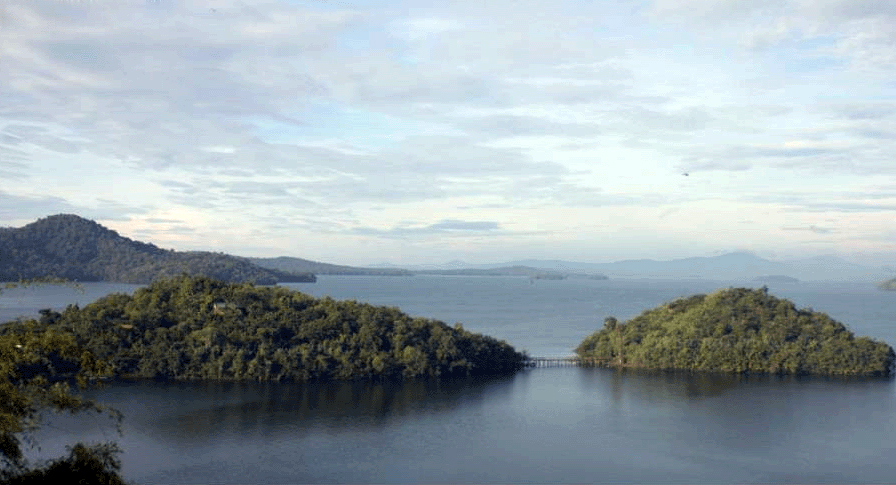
<point>200,328</point>
<point>74,248</point>
<point>737,330</point>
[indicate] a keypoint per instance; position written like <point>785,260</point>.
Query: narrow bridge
<point>564,362</point>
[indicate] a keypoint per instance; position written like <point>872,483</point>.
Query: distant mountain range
<point>71,247</point>
<point>732,266</point>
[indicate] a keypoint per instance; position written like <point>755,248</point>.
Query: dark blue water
<point>550,318</point>
<point>542,425</point>
<point>24,302</point>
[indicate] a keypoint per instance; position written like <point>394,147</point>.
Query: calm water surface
<point>542,425</point>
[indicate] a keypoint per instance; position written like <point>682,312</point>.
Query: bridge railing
<point>565,362</point>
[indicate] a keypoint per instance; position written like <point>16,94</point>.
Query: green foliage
<point>200,328</point>
<point>96,464</point>
<point>37,367</point>
<point>74,248</point>
<point>737,330</point>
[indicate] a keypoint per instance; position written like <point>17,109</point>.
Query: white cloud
<point>551,125</point>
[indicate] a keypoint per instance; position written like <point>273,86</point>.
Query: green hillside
<point>74,248</point>
<point>200,328</point>
<point>737,330</point>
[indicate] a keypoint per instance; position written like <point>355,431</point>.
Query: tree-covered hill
<point>737,330</point>
<point>74,248</point>
<point>200,328</point>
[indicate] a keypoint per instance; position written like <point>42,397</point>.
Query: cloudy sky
<point>362,132</point>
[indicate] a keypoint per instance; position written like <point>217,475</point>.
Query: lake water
<point>541,425</point>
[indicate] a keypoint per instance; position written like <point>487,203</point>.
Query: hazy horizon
<point>737,257</point>
<point>413,133</point>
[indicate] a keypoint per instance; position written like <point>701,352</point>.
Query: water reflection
<point>202,411</point>
<point>543,425</point>
<point>657,385</point>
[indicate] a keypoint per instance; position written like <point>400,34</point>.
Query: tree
<point>37,367</point>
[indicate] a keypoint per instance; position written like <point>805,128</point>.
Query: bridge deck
<point>563,362</point>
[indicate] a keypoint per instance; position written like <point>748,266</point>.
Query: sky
<point>362,132</point>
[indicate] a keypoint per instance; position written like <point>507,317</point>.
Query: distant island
<point>889,285</point>
<point>201,328</point>
<point>776,278</point>
<point>737,330</point>
<point>71,247</point>
<point>299,265</point>
<point>731,266</point>
<point>526,271</point>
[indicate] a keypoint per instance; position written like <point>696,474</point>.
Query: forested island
<point>200,328</point>
<point>71,247</point>
<point>737,330</point>
<point>888,285</point>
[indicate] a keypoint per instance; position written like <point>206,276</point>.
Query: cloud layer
<point>414,132</point>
